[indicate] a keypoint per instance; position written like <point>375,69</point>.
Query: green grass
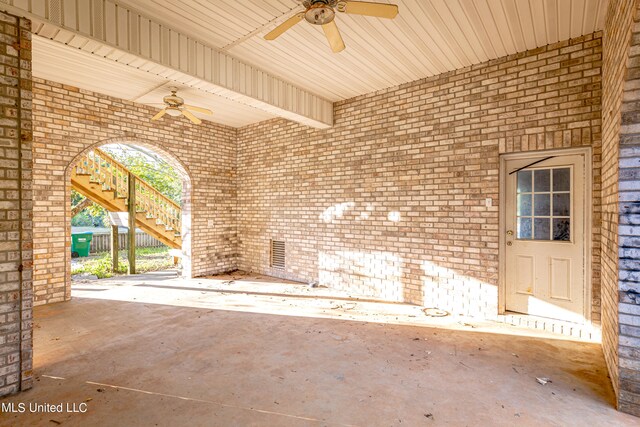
<point>147,259</point>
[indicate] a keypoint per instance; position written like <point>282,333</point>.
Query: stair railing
<point>106,171</point>
<point>112,175</point>
<point>158,206</point>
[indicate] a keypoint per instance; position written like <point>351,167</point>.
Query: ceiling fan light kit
<point>323,13</point>
<point>174,112</point>
<point>176,107</point>
<point>319,13</point>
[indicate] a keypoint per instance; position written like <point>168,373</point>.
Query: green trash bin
<point>80,244</point>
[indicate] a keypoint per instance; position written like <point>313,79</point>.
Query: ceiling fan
<point>175,106</point>
<point>323,12</point>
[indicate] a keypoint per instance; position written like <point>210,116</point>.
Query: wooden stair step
<point>92,186</point>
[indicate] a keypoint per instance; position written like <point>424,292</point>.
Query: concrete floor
<point>160,351</point>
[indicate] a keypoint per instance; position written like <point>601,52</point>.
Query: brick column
<point>621,201</point>
<point>629,231</point>
<point>15,205</point>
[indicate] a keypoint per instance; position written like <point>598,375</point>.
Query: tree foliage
<point>91,216</point>
<point>152,169</point>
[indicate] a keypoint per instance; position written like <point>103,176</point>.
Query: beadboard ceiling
<point>428,37</point>
<point>57,62</point>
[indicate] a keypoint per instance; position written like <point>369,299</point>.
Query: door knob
<point>509,233</point>
<point>509,243</point>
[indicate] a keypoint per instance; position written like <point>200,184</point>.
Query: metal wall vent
<point>277,254</point>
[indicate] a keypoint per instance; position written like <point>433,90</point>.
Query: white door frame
<point>586,153</point>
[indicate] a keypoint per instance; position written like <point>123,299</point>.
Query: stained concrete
<point>255,351</point>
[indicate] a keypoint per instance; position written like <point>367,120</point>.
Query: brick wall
<point>390,202</point>
<point>69,121</point>
<point>15,205</point>
<point>621,209</point>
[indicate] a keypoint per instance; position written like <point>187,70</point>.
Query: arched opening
<point>181,220</point>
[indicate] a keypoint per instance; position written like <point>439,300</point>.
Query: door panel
<point>561,278</point>
<point>525,273</point>
<point>545,242</point>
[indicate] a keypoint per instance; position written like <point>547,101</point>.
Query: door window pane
<point>542,180</point>
<point>561,179</point>
<point>561,229</point>
<point>541,229</point>
<point>524,204</point>
<point>524,181</point>
<point>543,204</point>
<point>524,228</point>
<point>561,204</point>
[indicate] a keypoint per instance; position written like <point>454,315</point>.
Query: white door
<point>545,236</point>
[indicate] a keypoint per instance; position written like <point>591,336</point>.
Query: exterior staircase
<point>107,182</point>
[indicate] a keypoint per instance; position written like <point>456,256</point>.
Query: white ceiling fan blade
<point>160,114</point>
<point>198,109</point>
<point>333,36</point>
<point>191,117</point>
<point>379,10</point>
<point>280,29</point>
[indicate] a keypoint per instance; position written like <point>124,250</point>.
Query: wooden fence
<point>102,242</point>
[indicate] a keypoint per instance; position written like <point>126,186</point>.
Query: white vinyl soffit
<point>428,37</point>
<point>219,49</point>
<point>104,29</point>
<point>97,74</point>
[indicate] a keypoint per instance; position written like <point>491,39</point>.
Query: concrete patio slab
<point>259,351</point>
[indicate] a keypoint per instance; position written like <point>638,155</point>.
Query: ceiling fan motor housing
<point>174,106</point>
<point>319,12</point>
<point>323,13</point>
<point>173,100</point>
